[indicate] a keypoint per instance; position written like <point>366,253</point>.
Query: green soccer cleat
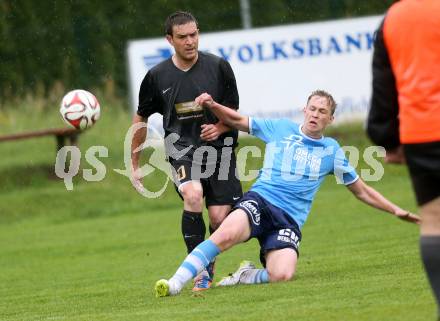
<point>162,288</point>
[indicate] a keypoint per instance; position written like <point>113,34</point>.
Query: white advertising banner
<point>278,67</point>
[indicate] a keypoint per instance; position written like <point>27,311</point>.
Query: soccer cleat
<point>234,278</point>
<point>202,282</point>
<point>162,288</point>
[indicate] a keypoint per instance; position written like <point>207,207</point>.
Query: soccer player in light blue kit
<point>296,161</point>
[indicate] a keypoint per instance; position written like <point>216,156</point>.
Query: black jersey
<point>171,92</point>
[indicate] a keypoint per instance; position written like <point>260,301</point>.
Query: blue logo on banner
<point>153,60</point>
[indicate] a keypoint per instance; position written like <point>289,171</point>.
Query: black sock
<point>193,229</point>
<point>430,250</point>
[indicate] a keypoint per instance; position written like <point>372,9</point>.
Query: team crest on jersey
<point>251,207</point>
<point>292,140</point>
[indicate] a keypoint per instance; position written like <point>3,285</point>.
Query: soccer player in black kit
<point>170,89</point>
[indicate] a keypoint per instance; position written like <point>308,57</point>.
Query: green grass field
<point>94,253</point>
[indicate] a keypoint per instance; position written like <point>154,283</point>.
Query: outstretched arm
<point>370,196</point>
<point>227,115</point>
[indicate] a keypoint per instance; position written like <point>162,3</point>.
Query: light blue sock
<point>262,277</point>
<point>254,276</point>
<point>194,263</point>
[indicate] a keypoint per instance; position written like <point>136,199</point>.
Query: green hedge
<point>55,45</point>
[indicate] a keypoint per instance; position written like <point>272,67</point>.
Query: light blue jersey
<point>295,165</point>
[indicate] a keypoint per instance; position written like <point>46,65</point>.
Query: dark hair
<point>178,18</point>
<point>322,93</point>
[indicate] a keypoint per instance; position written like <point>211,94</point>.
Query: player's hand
<point>395,156</point>
<point>408,216</point>
<point>136,180</point>
<point>204,100</point>
<point>211,132</point>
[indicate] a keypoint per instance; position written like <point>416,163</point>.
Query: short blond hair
<point>322,93</point>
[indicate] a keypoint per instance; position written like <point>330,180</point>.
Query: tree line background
<point>49,47</point>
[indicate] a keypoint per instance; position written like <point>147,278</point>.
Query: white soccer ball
<point>80,109</point>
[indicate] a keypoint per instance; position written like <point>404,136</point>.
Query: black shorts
<point>221,187</point>
<point>271,226</point>
<point>424,167</point>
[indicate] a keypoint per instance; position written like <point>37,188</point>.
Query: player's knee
<point>215,220</point>
<point>193,198</point>
<point>281,275</point>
